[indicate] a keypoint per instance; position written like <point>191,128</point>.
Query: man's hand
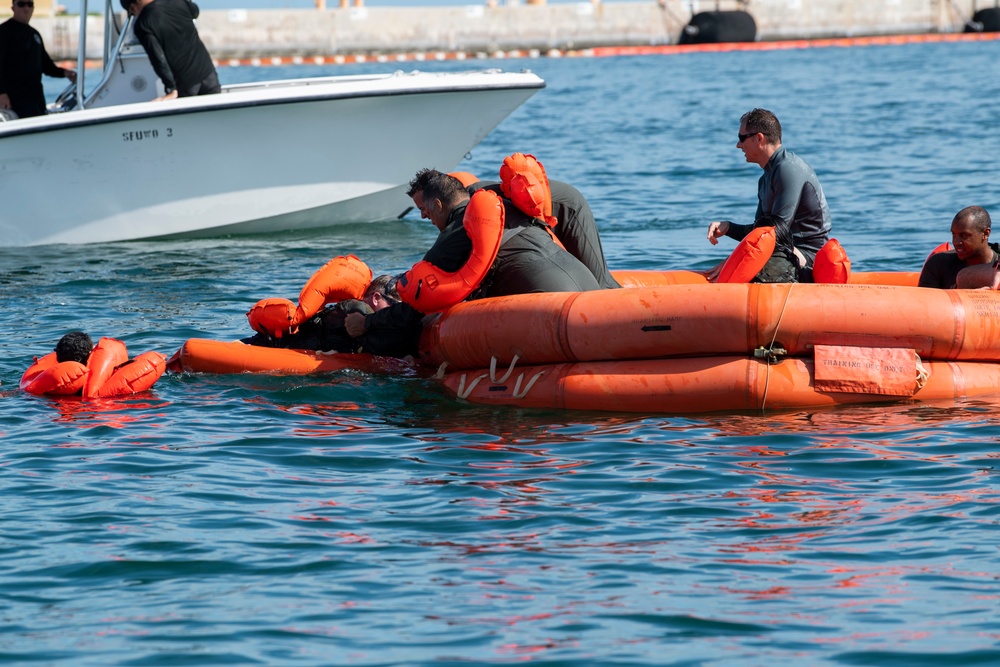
<point>172,95</point>
<point>4,101</point>
<point>70,74</point>
<point>717,229</point>
<point>354,323</point>
<point>713,273</point>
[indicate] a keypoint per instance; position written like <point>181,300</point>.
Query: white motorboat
<point>260,157</point>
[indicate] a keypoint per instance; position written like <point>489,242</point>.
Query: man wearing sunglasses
<point>789,197</point>
<point>166,30</point>
<point>23,60</point>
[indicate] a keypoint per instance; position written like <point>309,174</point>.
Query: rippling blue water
<point>353,519</point>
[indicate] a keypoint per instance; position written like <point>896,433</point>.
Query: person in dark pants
<point>23,60</point>
<point>165,28</point>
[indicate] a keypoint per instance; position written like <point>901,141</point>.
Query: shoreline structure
<point>359,33</point>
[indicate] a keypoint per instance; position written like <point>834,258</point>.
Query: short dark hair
<point>763,121</point>
<point>977,215</point>
<point>433,184</point>
<point>74,346</point>
<point>384,284</point>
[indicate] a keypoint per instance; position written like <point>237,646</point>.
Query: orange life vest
<point>749,257</point>
<point>831,264</point>
<point>108,372</point>
<point>524,182</point>
<point>429,289</point>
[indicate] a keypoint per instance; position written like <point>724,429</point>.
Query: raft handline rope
<point>777,325</point>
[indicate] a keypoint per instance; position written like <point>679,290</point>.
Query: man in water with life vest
<point>529,260</point>
<point>789,196</point>
<point>974,263</point>
<point>325,330</point>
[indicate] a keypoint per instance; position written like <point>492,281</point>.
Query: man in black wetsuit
<point>165,28</point>
<point>23,60</point>
<point>528,261</point>
<point>790,199</point>
<point>325,330</point>
<point>974,261</point>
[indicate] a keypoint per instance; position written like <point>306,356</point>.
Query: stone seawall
<point>478,28</point>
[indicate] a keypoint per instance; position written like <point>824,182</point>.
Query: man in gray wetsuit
<point>576,228</point>
<point>789,196</point>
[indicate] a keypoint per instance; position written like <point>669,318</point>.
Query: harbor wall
<point>489,28</point>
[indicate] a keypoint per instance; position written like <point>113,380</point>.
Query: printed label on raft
<point>147,135</point>
<point>890,371</point>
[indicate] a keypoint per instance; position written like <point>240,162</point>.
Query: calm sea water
<point>366,520</point>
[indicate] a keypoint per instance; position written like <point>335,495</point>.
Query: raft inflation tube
<point>712,320</point>
<point>704,384</point>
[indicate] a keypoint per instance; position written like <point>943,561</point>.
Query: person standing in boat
<point>166,30</point>
<point>789,195</point>
<point>974,261</point>
<point>23,61</point>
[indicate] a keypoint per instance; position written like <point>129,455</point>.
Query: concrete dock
<point>237,35</point>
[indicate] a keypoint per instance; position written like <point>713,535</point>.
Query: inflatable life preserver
<point>272,317</point>
<point>429,289</point>
<point>50,376</point>
<point>108,373</point>
<point>340,278</point>
<point>719,27</point>
<point>832,264</point>
<point>524,182</point>
<point>465,177</point>
<point>749,257</point>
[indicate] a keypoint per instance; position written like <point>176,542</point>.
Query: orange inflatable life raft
<point>108,373</point>
<point>693,320</point>
<point>429,289</point>
<point>703,384</point>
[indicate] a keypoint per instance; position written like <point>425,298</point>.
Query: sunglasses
<point>24,4</point>
<point>744,137</point>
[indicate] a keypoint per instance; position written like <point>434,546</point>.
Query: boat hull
<point>253,159</point>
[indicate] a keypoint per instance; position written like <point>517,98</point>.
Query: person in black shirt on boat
<point>23,60</point>
<point>971,264</point>
<point>165,28</point>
